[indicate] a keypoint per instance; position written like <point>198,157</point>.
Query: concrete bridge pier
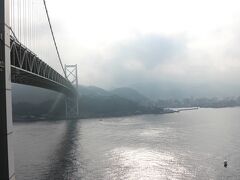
<point>6,125</point>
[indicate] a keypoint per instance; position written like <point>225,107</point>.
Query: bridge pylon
<point>71,101</point>
<point>6,125</point>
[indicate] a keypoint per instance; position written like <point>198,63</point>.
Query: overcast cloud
<point>129,42</point>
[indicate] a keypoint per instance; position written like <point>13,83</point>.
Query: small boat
<point>225,163</point>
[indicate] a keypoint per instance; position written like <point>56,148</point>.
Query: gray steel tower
<point>6,125</point>
<point>72,100</point>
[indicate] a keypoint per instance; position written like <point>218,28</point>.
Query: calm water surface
<point>186,145</point>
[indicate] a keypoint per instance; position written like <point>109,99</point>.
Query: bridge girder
<point>29,69</point>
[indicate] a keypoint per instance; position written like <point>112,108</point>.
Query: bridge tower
<point>72,101</point>
<point>6,125</point>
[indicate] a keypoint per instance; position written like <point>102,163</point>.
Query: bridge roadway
<point>29,69</point>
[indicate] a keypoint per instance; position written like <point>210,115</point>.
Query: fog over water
<point>185,145</point>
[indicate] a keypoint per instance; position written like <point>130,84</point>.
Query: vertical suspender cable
<point>18,19</point>
<point>13,9</point>
<point>35,25</point>
<point>28,22</point>
<point>31,26</point>
<point>10,12</point>
<point>20,22</point>
<point>24,24</point>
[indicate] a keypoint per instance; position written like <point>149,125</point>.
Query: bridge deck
<point>28,69</point>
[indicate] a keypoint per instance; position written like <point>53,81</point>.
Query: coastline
<point>42,119</point>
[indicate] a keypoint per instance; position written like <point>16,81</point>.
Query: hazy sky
<point>127,42</point>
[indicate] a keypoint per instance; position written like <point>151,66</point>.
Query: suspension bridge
<point>29,55</point>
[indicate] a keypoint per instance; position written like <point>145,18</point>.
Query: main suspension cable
<point>54,40</point>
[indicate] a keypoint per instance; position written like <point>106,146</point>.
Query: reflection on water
<point>64,156</point>
<point>186,145</point>
<point>145,164</point>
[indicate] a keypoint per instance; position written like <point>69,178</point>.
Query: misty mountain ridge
<point>39,95</point>
<point>131,94</point>
<point>123,92</point>
<point>92,91</point>
<point>143,93</point>
<point>96,102</point>
<point>181,90</point>
<point>93,102</point>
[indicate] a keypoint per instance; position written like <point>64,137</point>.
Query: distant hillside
<point>124,92</point>
<point>132,95</point>
<point>102,106</point>
<point>93,102</point>
<point>22,93</point>
<point>33,95</point>
<point>92,91</point>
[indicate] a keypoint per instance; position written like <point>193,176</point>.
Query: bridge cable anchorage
<point>54,40</point>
